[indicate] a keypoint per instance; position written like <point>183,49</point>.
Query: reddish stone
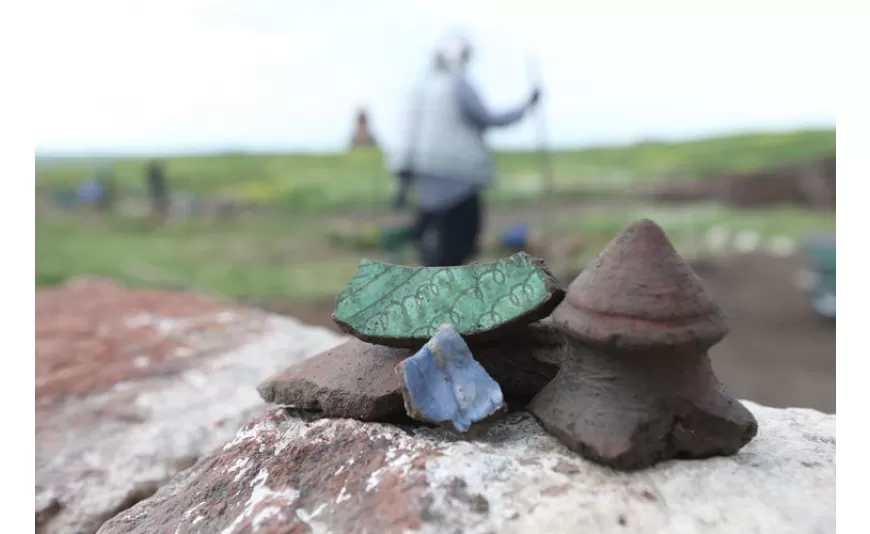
<point>640,294</point>
<point>355,379</point>
<point>636,386</point>
<point>358,380</point>
<point>92,334</point>
<point>284,474</point>
<point>132,386</point>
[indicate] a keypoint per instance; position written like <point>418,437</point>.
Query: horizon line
<point>204,151</point>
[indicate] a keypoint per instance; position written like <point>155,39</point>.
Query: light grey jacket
<point>445,150</point>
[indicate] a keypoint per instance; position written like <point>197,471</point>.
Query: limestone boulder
<point>133,387</point>
<point>290,472</point>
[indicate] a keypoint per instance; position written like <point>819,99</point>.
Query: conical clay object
<point>629,412</point>
<point>636,386</point>
<point>640,294</point>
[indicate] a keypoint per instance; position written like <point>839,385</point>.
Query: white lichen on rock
<point>514,478</point>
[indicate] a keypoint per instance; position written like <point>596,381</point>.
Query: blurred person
<point>105,176</point>
<point>158,191</point>
<point>447,160</point>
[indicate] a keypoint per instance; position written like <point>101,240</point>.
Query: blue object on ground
<point>90,192</point>
<point>516,236</point>
<point>822,252</point>
<point>443,383</point>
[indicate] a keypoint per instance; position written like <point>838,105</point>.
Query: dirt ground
<point>778,353</point>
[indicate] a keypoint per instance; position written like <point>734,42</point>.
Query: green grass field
<point>317,183</point>
<point>285,253</point>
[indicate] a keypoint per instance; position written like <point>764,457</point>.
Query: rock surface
<point>133,386</point>
<point>288,473</point>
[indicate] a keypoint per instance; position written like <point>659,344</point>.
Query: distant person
<point>105,176</point>
<point>446,159</point>
<point>158,191</point>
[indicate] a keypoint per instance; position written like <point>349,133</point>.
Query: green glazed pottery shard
<point>400,306</point>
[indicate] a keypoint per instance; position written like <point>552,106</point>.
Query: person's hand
<point>400,200</point>
<point>401,197</point>
<point>535,97</point>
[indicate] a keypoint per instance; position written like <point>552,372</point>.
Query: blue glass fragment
<point>443,383</point>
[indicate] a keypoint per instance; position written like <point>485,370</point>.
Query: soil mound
<point>810,183</point>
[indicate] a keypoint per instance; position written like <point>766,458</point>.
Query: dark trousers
<point>449,237</point>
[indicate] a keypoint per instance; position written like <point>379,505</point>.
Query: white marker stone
<point>717,238</point>
<point>747,241</point>
<point>782,246</point>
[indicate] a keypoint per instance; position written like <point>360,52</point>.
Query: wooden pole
<point>550,248</point>
<point>542,137</point>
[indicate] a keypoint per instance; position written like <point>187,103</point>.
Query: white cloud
<point>268,73</point>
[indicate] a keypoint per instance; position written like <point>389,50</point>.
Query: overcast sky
<point>190,75</point>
